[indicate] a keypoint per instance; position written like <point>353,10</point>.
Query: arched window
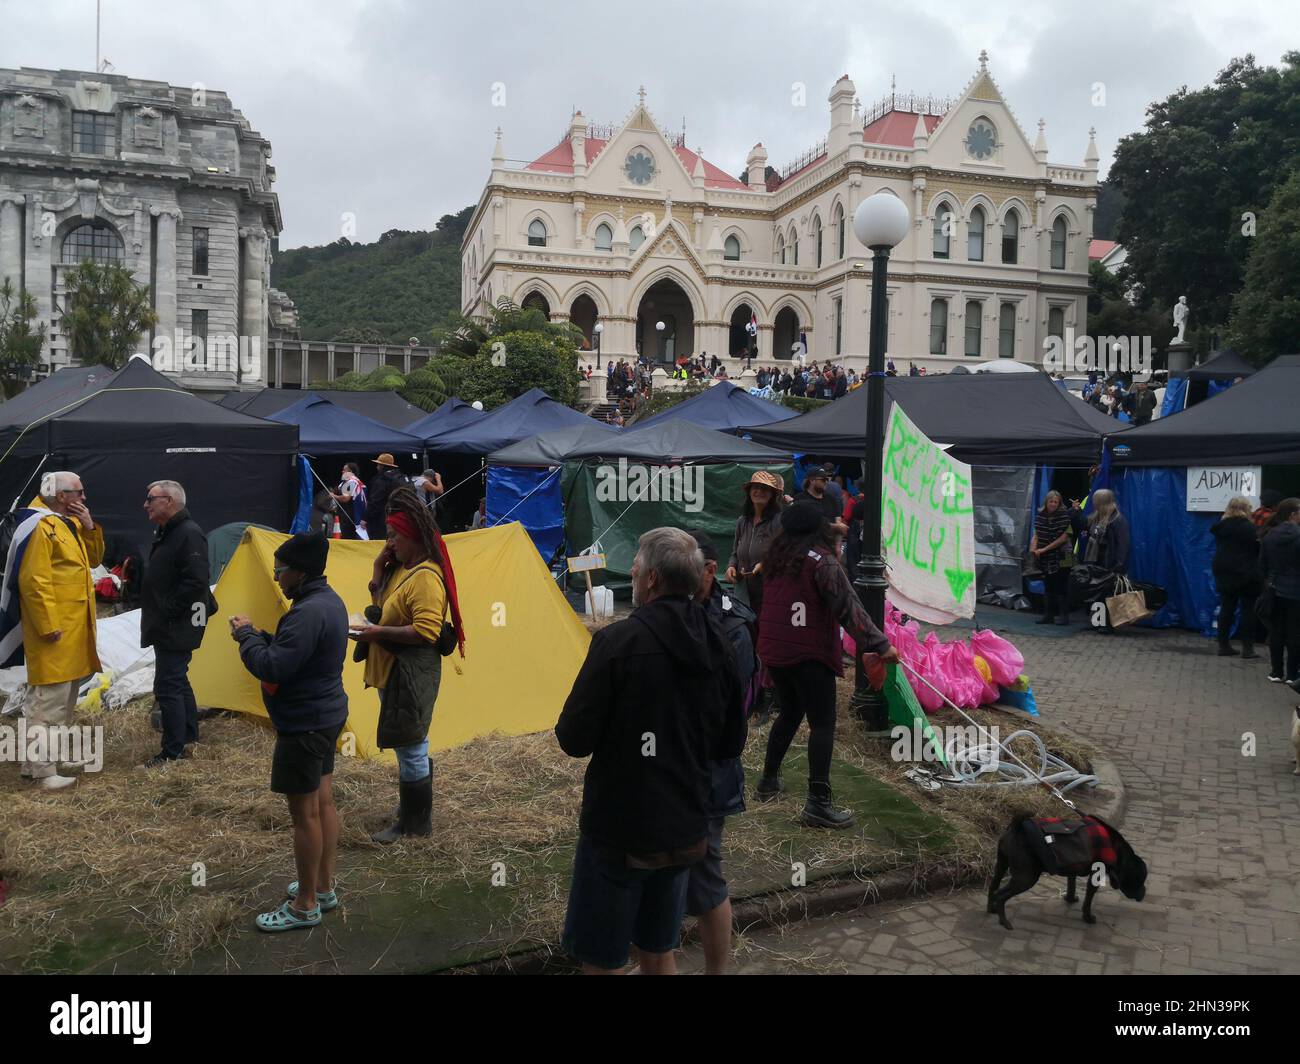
<point>817,237</point>
<point>1056,322</point>
<point>93,240</point>
<point>975,236</point>
<point>635,238</point>
<point>731,249</point>
<point>1007,331</point>
<point>604,237</point>
<point>537,233</point>
<point>780,249</point>
<point>938,326</point>
<point>1058,243</point>
<point>974,329</point>
<point>942,231</point>
<point>794,248</point>
<point>1011,238</point>
<point>839,226</point>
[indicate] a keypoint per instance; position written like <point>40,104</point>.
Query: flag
<point>11,624</point>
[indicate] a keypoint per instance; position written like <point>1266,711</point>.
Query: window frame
<point>1002,330</point>
<point>945,212</point>
<point>533,240</point>
<point>1013,239</point>
<point>199,264</point>
<point>942,336</point>
<point>596,237</point>
<point>978,317</point>
<point>1059,223</point>
<point>731,239</point>
<point>103,133</point>
<point>112,243</point>
<point>975,233</point>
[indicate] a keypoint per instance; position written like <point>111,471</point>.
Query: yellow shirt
<point>410,596</point>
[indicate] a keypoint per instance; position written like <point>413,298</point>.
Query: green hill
<point>402,285</point>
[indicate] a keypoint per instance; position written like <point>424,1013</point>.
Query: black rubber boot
<point>415,804</point>
<point>1226,651</point>
<point>820,813</point>
<point>1248,650</point>
<point>769,788</point>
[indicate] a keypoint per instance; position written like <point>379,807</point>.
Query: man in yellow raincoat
<point>57,600</point>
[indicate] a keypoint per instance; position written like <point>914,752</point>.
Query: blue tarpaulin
<point>302,519</point>
<point>1171,548</point>
<point>531,496</point>
<point>453,414</point>
<point>1175,396</point>
<point>324,428</point>
<point>530,414</point>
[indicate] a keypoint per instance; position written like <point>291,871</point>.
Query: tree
<point>105,313</point>
<point>353,335</point>
<point>1266,311</point>
<point>510,364</point>
<point>1194,179</point>
<point>20,344</point>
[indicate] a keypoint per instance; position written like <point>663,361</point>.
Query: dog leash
<point>952,705</point>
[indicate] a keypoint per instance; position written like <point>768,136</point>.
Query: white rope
<point>970,763</point>
<point>661,470</point>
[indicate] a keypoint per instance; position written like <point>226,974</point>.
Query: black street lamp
<point>881,222</point>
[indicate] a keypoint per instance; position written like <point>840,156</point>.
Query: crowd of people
<point>411,622</point>
<point>1115,398</point>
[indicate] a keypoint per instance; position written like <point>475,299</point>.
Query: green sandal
<point>325,899</point>
<point>287,918</point>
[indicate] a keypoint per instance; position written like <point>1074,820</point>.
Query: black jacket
<point>377,500</point>
<point>1236,556</point>
<point>655,702</point>
<point>1112,545</point>
<point>1281,553</point>
<point>737,622</point>
<point>301,666</point>
<point>175,600</point>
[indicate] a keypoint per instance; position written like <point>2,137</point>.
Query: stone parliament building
<point>626,226</point>
<point>171,182</point>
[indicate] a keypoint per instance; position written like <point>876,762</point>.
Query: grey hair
<point>53,483</point>
<point>1238,506</point>
<point>173,489</point>
<point>675,558</point>
<point>1103,497</point>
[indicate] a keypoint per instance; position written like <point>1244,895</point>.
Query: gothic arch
<point>746,248</point>
<point>979,199</point>
<point>552,230</point>
<point>586,288</point>
<point>543,289</point>
<point>603,218</point>
<point>748,298</point>
<point>796,304</point>
<point>943,196</point>
<point>1019,206</point>
<point>678,277</point>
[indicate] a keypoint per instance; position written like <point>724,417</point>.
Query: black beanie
<point>705,542</point>
<point>306,553</point>
<point>801,519</point>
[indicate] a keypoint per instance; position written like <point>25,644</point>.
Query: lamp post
<point>598,328</point>
<point>659,340</point>
<point>880,222</point>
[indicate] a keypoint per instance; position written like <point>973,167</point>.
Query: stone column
<point>254,293</point>
<point>11,241</point>
<point>165,278</point>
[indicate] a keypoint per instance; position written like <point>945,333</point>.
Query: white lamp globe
<point>600,328</point>
<point>477,404</point>
<point>881,221</point>
<point>659,325</point>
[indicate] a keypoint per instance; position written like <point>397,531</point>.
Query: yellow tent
<point>524,644</point>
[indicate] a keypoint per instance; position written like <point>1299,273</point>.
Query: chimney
<point>842,106</point>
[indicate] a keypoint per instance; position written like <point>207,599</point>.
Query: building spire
<point>641,95</point>
<point>984,61</point>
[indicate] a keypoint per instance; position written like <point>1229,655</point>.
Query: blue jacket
<point>737,623</point>
<point>301,666</point>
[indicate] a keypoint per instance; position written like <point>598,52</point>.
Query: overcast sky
<point>384,108</point>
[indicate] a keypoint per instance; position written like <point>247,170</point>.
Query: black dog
<point>1126,871</point>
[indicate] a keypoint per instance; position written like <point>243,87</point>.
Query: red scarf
<point>399,522</point>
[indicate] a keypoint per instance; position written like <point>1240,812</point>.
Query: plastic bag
<point>1004,660</point>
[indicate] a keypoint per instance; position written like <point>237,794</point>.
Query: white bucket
<point>603,604</point>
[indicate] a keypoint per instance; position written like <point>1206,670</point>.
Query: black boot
<point>1049,610</point>
<point>769,788</point>
<point>820,813</point>
<point>1225,649</point>
<point>1248,650</point>
<point>415,805</point>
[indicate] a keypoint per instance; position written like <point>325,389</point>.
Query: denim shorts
<point>611,905</point>
<point>707,887</point>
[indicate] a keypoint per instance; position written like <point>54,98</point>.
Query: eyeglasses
<point>153,498</point>
<point>73,491</point>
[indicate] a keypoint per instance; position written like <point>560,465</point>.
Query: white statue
<point>1181,311</point>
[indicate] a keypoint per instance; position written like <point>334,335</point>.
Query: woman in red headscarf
<point>413,590</point>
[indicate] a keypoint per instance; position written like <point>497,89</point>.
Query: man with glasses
<point>175,604</point>
<point>55,546</point>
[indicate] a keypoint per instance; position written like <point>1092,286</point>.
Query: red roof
<point>897,128</point>
<point>559,160</point>
<point>1099,249</point>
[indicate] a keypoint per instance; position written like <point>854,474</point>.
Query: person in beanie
<point>806,598</point>
<point>412,590</point>
<point>301,670</point>
<point>708,898</point>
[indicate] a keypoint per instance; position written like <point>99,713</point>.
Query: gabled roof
<point>559,160</point>
<point>896,128</point>
<point>723,406</point>
<point>527,415</point>
<point>1099,249</point>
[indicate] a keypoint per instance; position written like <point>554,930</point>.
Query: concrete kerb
<point>783,907</point>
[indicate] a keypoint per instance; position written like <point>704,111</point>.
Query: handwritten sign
<point>927,525</point>
<point>586,563</point>
<point>1209,488</point>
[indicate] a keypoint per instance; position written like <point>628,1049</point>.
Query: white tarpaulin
<point>927,525</point>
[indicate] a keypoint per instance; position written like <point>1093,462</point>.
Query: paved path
<point>1220,832</point>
